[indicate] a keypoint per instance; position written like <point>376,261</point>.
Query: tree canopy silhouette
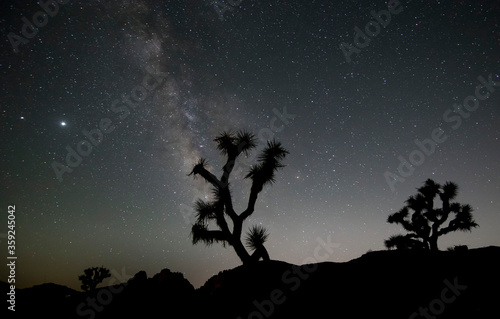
<point>231,145</point>
<point>92,277</point>
<point>426,223</point>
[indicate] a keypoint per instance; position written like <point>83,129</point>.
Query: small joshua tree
<point>92,277</point>
<point>425,225</point>
<point>221,207</point>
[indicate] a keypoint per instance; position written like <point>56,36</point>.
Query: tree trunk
<point>259,253</point>
<point>264,254</point>
<point>433,243</point>
<point>426,243</point>
<point>240,250</point>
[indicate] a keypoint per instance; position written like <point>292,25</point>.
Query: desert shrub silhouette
<point>92,277</point>
<point>425,225</point>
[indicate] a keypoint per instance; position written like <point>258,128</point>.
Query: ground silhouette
<point>389,284</point>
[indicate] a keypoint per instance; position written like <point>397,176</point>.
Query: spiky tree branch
<point>269,161</point>
<point>404,242</point>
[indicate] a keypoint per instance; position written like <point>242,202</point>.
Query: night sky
<point>160,79</point>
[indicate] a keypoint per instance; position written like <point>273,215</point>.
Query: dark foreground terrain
<point>382,284</point>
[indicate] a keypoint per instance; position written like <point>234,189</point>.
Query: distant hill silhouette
<point>45,299</point>
<point>386,284</point>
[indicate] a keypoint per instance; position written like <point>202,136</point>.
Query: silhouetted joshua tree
<point>221,207</point>
<point>425,225</point>
<point>92,277</point>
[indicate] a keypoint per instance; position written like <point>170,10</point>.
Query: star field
<point>160,79</point>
